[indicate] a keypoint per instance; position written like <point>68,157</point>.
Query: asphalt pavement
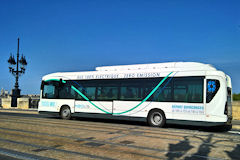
<point>28,135</point>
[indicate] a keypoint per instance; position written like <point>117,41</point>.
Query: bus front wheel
<point>65,112</point>
<point>156,118</point>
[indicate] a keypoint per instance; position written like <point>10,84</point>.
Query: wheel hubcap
<point>156,119</point>
<point>66,112</point>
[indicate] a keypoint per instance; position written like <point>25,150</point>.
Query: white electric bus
<point>176,92</point>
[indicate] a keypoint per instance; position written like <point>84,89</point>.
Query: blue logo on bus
<point>211,86</point>
<point>48,104</point>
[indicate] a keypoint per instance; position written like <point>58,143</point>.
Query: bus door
<point>66,96</point>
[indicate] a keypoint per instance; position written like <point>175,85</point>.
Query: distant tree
<point>236,97</point>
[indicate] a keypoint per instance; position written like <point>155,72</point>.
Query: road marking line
<point>234,132</point>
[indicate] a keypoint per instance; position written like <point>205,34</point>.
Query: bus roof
<point>173,65</point>
<point>140,71</point>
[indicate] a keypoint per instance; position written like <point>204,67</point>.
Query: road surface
<point>33,136</point>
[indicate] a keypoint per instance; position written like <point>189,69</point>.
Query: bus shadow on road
<point>217,129</point>
<point>143,123</point>
<point>234,154</point>
<point>207,143</point>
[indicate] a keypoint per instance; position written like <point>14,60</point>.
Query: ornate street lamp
<point>14,69</point>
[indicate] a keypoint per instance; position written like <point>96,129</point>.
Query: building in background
<point>4,93</point>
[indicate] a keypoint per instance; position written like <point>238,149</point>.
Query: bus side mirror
<point>42,85</point>
<point>62,82</point>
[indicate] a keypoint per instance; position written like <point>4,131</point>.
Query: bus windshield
<point>50,90</point>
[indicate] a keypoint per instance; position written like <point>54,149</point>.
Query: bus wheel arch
<point>65,112</point>
<point>156,118</point>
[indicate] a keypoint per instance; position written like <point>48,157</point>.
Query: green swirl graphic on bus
<point>145,99</point>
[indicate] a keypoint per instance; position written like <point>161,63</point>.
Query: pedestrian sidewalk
<point>12,110</point>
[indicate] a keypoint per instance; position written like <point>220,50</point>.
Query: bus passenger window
<point>78,96</point>
<point>90,92</point>
<point>164,96</point>
<point>188,89</point>
<point>180,92</point>
<point>107,93</point>
<point>110,93</point>
<point>66,92</point>
<point>130,93</point>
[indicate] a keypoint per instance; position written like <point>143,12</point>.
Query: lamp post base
<point>15,95</point>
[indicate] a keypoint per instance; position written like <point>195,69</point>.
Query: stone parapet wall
<point>6,102</point>
<point>23,103</point>
<point>236,110</point>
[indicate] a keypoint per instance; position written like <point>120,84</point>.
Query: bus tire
<point>228,127</point>
<point>224,128</point>
<point>65,112</point>
<point>156,118</point>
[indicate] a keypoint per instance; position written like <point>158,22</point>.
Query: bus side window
<point>65,91</point>
<point>188,89</point>
<point>180,92</point>
<point>90,92</point>
<point>164,96</point>
<point>78,96</point>
<point>131,93</point>
<point>107,93</point>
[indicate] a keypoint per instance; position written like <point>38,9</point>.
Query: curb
<point>29,111</point>
<point>236,127</point>
<point>17,109</point>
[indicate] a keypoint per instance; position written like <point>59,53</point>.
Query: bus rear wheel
<point>156,118</point>
<point>65,113</point>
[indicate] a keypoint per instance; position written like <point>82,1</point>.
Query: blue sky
<point>78,35</point>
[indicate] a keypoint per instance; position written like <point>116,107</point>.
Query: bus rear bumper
<point>198,123</point>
